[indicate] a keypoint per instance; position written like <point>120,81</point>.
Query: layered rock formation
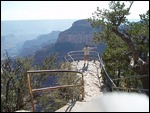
<point>80,32</point>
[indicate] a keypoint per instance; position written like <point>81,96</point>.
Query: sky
<point>37,10</point>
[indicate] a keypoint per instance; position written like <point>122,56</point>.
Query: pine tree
<point>135,37</point>
<point>14,87</point>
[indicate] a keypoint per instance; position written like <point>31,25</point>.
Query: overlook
<point>93,84</point>
<point>52,75</point>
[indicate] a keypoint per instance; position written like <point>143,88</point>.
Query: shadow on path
<point>69,108</point>
<point>85,67</point>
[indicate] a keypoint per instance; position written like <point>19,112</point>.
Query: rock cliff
<point>80,32</point>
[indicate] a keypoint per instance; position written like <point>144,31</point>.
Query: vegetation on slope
<point>14,87</point>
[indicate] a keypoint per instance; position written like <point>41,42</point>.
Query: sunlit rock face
<point>81,31</point>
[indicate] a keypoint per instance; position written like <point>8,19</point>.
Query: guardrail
<point>94,55</point>
<point>136,77</point>
<point>52,88</point>
<point>78,55</point>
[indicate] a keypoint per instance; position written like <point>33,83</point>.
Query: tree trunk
<point>145,83</point>
<point>143,70</point>
<point>118,77</point>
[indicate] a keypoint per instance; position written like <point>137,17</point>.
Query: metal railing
<point>78,55</point>
<point>55,87</point>
<point>129,88</point>
<point>94,55</point>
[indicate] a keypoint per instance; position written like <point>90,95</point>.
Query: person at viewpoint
<point>87,50</point>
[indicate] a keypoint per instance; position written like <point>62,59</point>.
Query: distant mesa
<point>81,31</point>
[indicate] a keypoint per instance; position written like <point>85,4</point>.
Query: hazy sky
<point>35,10</point>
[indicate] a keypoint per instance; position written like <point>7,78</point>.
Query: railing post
<point>83,93</point>
<point>31,94</point>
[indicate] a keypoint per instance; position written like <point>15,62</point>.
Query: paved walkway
<point>93,83</point>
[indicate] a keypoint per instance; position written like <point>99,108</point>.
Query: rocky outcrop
<point>80,32</point>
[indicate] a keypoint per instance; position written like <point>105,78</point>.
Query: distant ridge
<point>38,27</point>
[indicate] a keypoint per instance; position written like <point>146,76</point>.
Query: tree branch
<point>128,41</point>
<point>137,64</point>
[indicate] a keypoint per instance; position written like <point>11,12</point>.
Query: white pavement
<point>92,83</point>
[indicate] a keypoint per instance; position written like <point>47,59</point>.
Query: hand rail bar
<point>51,88</point>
